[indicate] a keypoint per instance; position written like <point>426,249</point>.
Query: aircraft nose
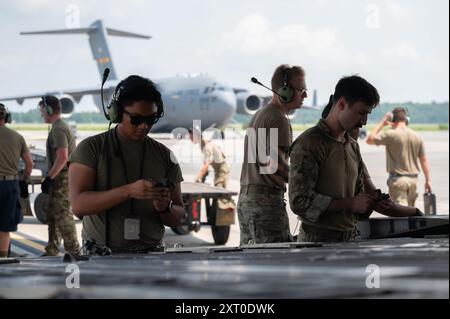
<point>227,105</point>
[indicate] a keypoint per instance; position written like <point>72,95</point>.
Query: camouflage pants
<point>325,236</point>
<point>60,218</point>
<point>262,218</point>
<point>403,190</point>
<point>221,176</point>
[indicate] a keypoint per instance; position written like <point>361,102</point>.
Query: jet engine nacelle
<point>67,104</point>
<point>248,103</point>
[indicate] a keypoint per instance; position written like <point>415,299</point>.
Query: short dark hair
<point>326,110</point>
<point>399,115</point>
<point>136,88</point>
<point>285,72</point>
<point>53,102</point>
<point>356,89</point>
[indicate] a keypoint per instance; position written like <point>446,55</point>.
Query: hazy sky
<point>402,47</point>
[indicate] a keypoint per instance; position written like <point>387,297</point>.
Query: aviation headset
<point>115,109</point>
<point>286,92</point>
<point>48,109</point>
<point>7,115</point>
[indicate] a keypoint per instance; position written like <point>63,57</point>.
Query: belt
<point>260,189</point>
<point>403,175</point>
<point>9,178</point>
<point>335,234</point>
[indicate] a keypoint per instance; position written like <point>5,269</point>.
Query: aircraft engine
<point>248,103</point>
<point>67,104</point>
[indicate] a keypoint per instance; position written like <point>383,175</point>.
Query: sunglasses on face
<point>139,119</point>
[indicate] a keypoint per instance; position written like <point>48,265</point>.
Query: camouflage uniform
<point>323,169</point>
<point>221,174</point>
<point>213,154</point>
<point>262,216</point>
<point>261,207</point>
<point>60,219</point>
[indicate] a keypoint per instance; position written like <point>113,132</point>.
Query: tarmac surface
<point>386,268</point>
<point>191,267</point>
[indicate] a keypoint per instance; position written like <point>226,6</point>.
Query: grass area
<point>295,127</point>
<point>420,127</point>
<point>44,127</point>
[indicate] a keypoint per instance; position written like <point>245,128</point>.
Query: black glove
<point>46,184</point>
<point>23,185</point>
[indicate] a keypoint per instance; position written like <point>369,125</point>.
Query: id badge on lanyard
<point>132,223</point>
<point>131,229</point>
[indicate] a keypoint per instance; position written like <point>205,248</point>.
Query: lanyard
<point>124,167</point>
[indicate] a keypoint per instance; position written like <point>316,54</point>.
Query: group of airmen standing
<point>329,185</point>
<point>125,186</point>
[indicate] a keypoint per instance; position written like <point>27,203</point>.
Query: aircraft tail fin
<point>98,42</point>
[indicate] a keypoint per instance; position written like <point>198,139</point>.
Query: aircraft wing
<point>75,94</point>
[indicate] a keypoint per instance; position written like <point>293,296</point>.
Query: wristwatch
<point>168,208</point>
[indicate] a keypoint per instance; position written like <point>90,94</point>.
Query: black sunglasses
<point>139,119</point>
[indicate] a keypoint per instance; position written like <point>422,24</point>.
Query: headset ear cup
<point>286,93</point>
<point>113,112</point>
<point>8,118</point>
<point>48,110</point>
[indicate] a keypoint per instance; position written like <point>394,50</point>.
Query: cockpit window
<point>207,90</point>
<point>217,86</point>
<point>223,87</point>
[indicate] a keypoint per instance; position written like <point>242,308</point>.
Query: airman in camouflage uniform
<point>261,207</point>
<point>60,145</point>
<point>326,183</point>
<point>214,156</point>
<point>60,218</point>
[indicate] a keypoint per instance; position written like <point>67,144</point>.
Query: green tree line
<point>433,113</point>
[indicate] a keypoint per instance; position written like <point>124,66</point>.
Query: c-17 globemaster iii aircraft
<point>186,98</point>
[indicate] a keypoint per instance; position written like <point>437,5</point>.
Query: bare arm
<point>359,204</point>
<point>369,187</point>
<point>426,171</point>
<point>373,134</point>
<point>392,209</point>
<point>28,165</point>
<point>62,156</point>
<point>86,201</point>
<point>176,214</point>
<point>283,164</point>
<point>202,172</point>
